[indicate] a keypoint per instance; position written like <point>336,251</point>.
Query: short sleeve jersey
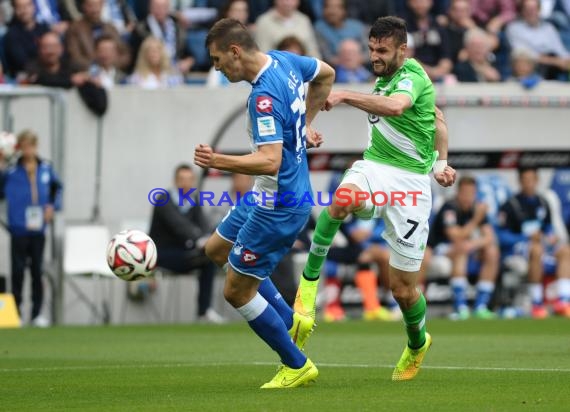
<point>448,216</point>
<point>276,114</point>
<point>405,141</point>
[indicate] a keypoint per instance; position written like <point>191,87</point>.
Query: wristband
<point>439,166</point>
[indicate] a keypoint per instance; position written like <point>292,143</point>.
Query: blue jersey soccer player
<point>252,240</point>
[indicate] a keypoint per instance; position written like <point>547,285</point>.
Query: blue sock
<point>485,289</point>
<point>459,287</point>
<point>268,290</point>
<point>269,326</point>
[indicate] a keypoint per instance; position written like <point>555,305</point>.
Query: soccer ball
<point>7,144</point>
<point>131,255</point>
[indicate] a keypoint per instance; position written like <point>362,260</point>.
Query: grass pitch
<point>516,365</point>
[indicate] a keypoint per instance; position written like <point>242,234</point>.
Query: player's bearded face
<point>385,57</point>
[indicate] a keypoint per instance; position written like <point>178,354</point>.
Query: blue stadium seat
<point>195,40</point>
<point>494,191</point>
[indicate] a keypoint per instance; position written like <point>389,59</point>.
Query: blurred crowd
<point>160,43</point>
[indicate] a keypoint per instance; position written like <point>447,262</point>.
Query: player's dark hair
<point>389,26</point>
<point>523,170</point>
<point>181,167</point>
<point>227,32</point>
<point>466,180</point>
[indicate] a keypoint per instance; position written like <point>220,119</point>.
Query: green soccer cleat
<point>302,328</point>
<point>291,378</point>
<point>306,298</point>
<point>410,362</point>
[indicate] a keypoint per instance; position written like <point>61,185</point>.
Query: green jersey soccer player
<point>392,181</point>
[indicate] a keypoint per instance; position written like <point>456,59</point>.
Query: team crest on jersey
<point>264,104</point>
<point>248,257</point>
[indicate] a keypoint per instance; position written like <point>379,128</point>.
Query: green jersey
<point>405,141</point>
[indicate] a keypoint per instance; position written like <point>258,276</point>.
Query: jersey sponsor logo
<point>249,258</point>
<point>404,243</point>
<point>405,84</point>
<point>264,104</point>
<point>266,126</point>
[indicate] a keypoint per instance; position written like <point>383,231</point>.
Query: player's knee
<point>564,252</point>
<point>491,253</point>
<point>536,250</point>
<point>403,294</point>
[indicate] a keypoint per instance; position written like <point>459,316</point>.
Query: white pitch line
<point>324,365</point>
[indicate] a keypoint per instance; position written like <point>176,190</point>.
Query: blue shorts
<point>261,237</point>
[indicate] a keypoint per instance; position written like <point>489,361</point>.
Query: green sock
<point>415,320</point>
<point>322,238</point>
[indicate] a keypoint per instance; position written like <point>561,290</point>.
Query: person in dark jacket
<point>180,233</point>
<point>21,41</point>
<point>33,192</point>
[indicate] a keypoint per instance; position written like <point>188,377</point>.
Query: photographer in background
<point>33,192</point>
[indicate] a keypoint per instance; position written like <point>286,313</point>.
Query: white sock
<point>253,308</point>
<point>564,289</point>
<point>536,293</point>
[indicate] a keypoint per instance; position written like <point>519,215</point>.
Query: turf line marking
<point>324,365</point>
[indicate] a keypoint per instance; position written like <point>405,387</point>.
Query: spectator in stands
<point>459,21</point>
<point>336,27</point>
<point>56,14</point>
<point>104,70</point>
<point>233,9</point>
<point>367,11</point>
<point>285,20</point>
<point>180,233</point>
<point>493,15</point>
<point>81,36</point>
<point>430,40</point>
<point>237,10</point>
<point>523,68</point>
<point>525,229</point>
<point>461,232</point>
<point>20,42</point>
<point>154,69</point>
<point>540,37</point>
<point>350,68</point>
<point>120,14</point>
<point>161,25</point>
<point>33,192</point>
<point>437,11</point>
<point>292,44</point>
<point>50,68</point>
<point>477,67</point>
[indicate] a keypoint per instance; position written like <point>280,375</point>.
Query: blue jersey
<point>276,108</point>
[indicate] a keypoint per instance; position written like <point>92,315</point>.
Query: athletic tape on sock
<point>253,308</point>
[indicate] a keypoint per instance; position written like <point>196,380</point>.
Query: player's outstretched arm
<point>444,175</point>
<point>319,89</point>
<point>393,105</point>
<point>266,161</point>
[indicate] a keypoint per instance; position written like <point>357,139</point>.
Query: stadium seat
<point>84,254</point>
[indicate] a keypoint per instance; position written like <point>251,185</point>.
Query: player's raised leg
<point>413,305</point>
<point>328,223</point>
